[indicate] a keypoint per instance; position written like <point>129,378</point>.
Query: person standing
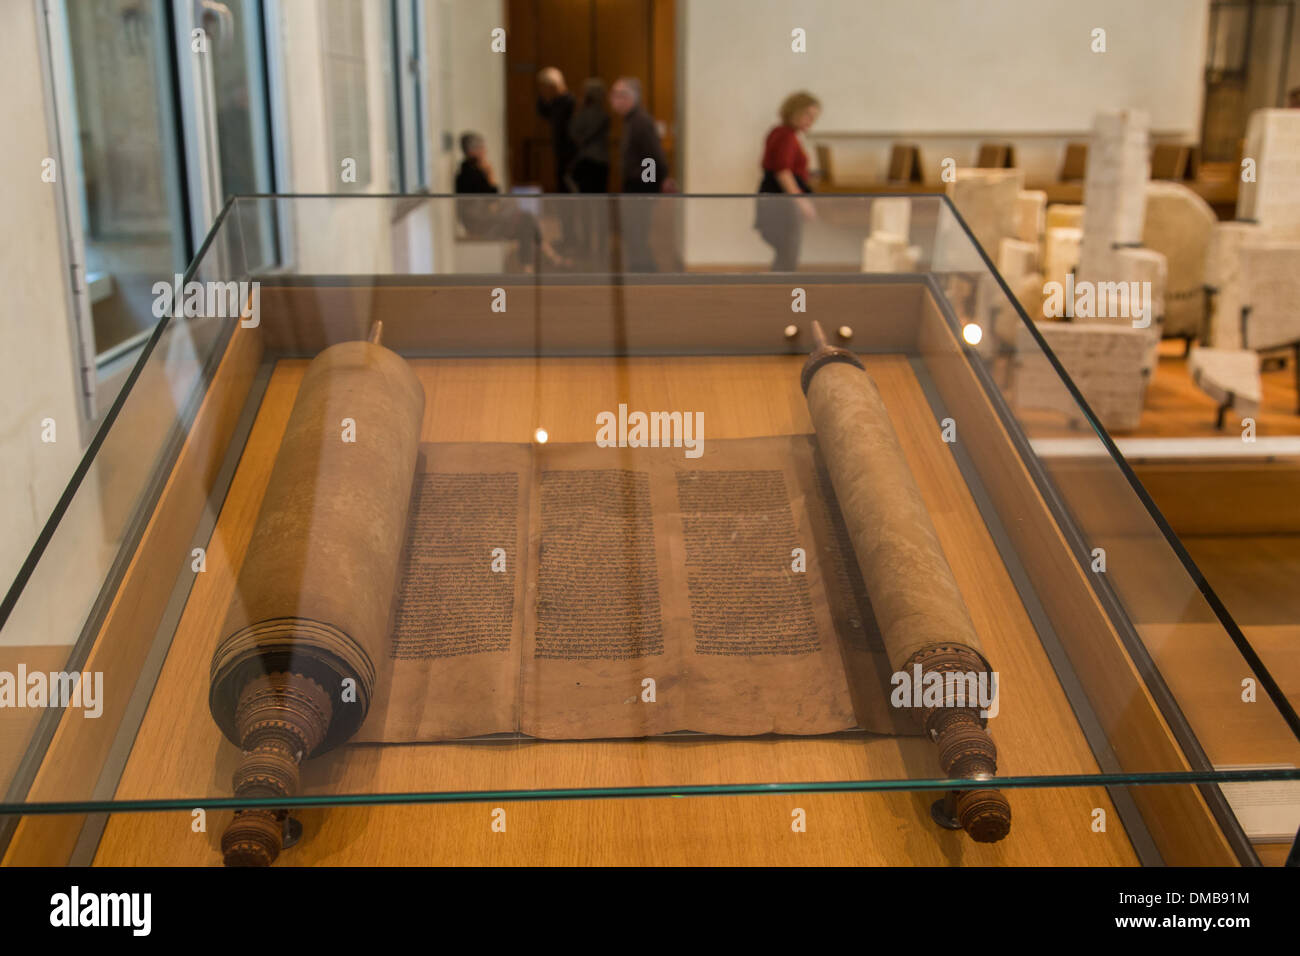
<point>590,170</point>
<point>785,171</point>
<point>643,169</point>
<point>555,105</point>
<point>589,131</point>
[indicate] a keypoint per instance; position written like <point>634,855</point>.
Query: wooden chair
<point>1179,224</point>
<point>905,164</point>
<point>824,163</point>
<point>1171,161</point>
<point>1270,287</point>
<point>996,156</point>
<point>1269,280</point>
<point>1075,166</point>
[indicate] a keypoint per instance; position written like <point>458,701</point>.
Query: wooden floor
<point>1176,408</point>
<point>1255,575</point>
<point>179,751</point>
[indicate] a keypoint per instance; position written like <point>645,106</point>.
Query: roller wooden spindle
<point>922,616</point>
<point>294,674</point>
<point>281,719</point>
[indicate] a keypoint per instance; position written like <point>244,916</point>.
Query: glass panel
<point>1170,622</point>
<point>571,529</point>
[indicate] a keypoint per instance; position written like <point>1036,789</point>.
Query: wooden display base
<point>178,749</point>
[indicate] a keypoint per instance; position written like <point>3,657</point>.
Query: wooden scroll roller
<point>922,617</point>
<point>294,674</point>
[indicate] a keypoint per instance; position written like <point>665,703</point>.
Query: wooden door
<point>585,38</point>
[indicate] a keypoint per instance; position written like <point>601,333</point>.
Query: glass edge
<point>569,197</point>
<point>1040,782</point>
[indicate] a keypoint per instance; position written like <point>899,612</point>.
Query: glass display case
<point>546,501</point>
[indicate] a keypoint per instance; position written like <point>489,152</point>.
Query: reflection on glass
<point>131,202</point>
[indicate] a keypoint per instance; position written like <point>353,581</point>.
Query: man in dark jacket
<point>643,169</point>
<point>555,104</point>
<point>640,140</point>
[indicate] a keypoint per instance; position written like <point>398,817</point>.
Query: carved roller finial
<point>966,750</point>
<point>281,719</point>
<point>822,353</point>
<point>984,814</point>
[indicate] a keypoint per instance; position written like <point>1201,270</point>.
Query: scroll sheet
<point>571,592</point>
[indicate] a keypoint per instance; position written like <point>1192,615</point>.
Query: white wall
<point>977,67</point>
<point>465,90</point>
<point>335,236</point>
<point>37,379</point>
<point>468,82</point>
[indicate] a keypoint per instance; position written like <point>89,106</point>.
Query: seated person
<point>493,219</point>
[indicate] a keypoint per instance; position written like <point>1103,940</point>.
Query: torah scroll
<point>923,620</point>
<point>394,591</point>
<point>294,674</point>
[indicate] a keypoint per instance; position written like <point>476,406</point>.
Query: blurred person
<point>785,171</point>
<point>555,105</point>
<point>493,219</point>
<point>640,142</point>
<point>589,172</point>
<point>589,131</point>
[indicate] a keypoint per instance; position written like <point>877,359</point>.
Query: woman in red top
<point>785,170</point>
